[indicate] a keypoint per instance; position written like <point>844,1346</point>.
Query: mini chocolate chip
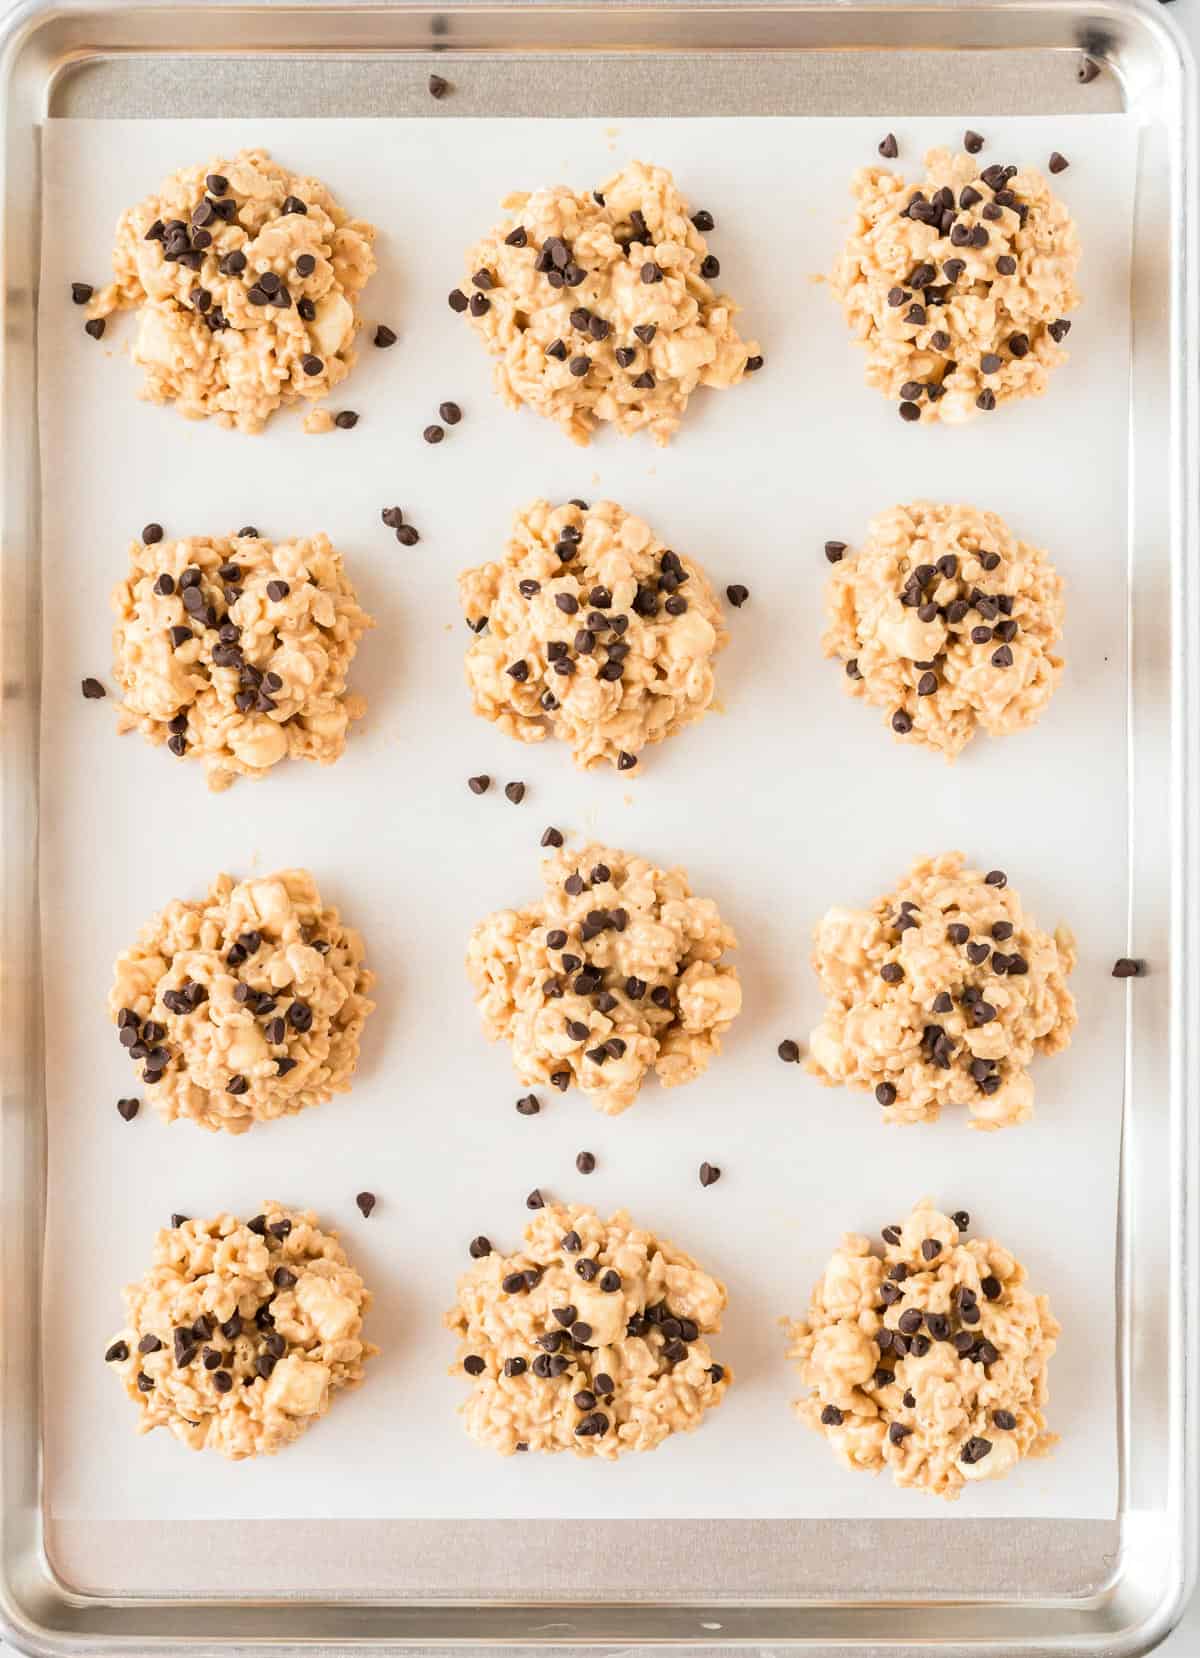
<point>1128,967</point>
<point>1057,163</point>
<point>585,1163</point>
<point>888,147</point>
<point>480,784</point>
<point>95,328</point>
<point>972,142</point>
<point>384,336</point>
<point>366,1202</point>
<point>709,1174</point>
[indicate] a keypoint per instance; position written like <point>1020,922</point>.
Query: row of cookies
<point>598,306</point>
<point>926,1355</point>
<point>249,1005</point>
<point>587,628</point>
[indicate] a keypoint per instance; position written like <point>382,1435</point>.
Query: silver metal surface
<point>965,1586</point>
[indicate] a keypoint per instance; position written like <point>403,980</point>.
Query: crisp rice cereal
<point>599,306</point>
<point>940,994</point>
<point>959,289</point>
<point>591,630</point>
<point>948,623</point>
<point>246,1006</point>
<point>234,650</point>
<point>929,1360</point>
<point>239,1335</point>
<point>246,280</point>
<point>615,972</point>
<point>590,1338</point>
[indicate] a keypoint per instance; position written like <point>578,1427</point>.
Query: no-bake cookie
<point>246,279</point>
<point>591,630</point>
<point>929,1358</point>
<point>940,994</point>
<point>234,650</point>
<point>600,306</point>
<point>245,1006</point>
<point>960,288</point>
<point>948,623</point>
<point>591,1338</point>
<point>616,971</point>
<point>240,1333</point>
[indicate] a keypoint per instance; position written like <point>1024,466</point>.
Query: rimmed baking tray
<point>961,1584</point>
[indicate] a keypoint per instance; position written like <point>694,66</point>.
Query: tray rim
<point>39,1613</point>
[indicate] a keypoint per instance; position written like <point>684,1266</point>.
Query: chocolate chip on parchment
<point>457,300</point>
<point>384,336</point>
<point>1128,967</point>
<point>528,1105</point>
<point>535,1200</point>
<point>95,328</point>
<point>128,1109</point>
<point>585,1163</point>
<point>81,292</point>
<point>1058,162</point>
<point>92,690</point>
<point>625,761</point>
<point>433,434</point>
<point>438,86</point>
<point>709,1174</point>
<point>365,1202</point>
<point>789,1051</point>
<point>888,147</point>
<point>972,142</point>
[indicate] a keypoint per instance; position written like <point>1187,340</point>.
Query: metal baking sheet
<point>1089,1582</point>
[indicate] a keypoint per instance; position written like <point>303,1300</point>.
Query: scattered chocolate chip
<point>909,411</point>
<point>92,690</point>
<point>585,1163</point>
<point>81,292</point>
<point>438,86</point>
<point>1128,967</point>
<point>709,1174</point>
<point>128,1109</point>
<point>95,328</point>
<point>972,142</point>
<point>365,1201</point>
<point>626,762</point>
<point>737,595</point>
<point>457,300</point>
<point>888,147</point>
<point>535,1200</point>
<point>835,551</point>
<point>384,336</point>
<point>433,434</point>
<point>789,1051</point>
<point>1057,163</point>
<point>885,1093</point>
<point>514,792</point>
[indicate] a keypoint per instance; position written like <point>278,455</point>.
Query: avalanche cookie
<point>235,650</point>
<point>246,1006</point>
<point>240,1334</point>
<point>929,1359</point>
<point>591,1338</point>
<point>246,280</point>
<point>590,630</point>
<point>600,307</point>
<point>617,970</point>
<point>948,623</point>
<point>959,290</point>
<point>940,994</point>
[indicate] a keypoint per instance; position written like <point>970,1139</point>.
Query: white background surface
<point>793,799</point>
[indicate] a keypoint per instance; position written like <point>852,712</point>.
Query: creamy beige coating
<point>239,1334</point>
<point>591,630</point>
<point>948,622</point>
<point>234,650</point>
<point>246,278</point>
<point>958,289</point>
<point>614,972</point>
<point>940,994</point>
<point>590,1338</point>
<point>245,1006</point>
<point>928,1359</point>
<point>600,307</point>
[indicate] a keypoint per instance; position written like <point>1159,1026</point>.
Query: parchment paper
<point>788,799</point>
